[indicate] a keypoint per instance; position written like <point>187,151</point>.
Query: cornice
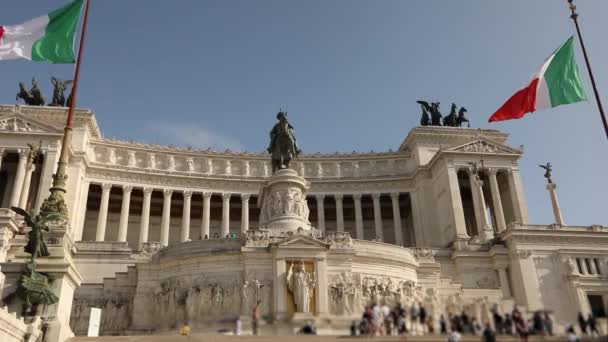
<point>54,116</point>
<point>448,136</point>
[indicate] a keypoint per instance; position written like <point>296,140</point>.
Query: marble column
<point>461,238</point>
<point>103,211</point>
<point>185,236</point>
<point>206,213</point>
<point>518,200</point>
<point>84,197</point>
<point>166,218</point>
<point>339,212</point>
<point>526,288</point>
<point>504,282</point>
<point>485,231</point>
<point>322,285</point>
<point>378,217</point>
<point>124,213</point>
<point>49,163</point>
<point>557,211</point>
<point>244,213</point>
<point>1,156</point>
<point>19,178</point>
<point>320,212</point>
<point>145,216</point>
<point>225,214</point>
<point>358,217</point>
<point>496,201</point>
<point>397,219</point>
<point>25,190</point>
<point>416,219</point>
<point>475,197</point>
<point>280,288</point>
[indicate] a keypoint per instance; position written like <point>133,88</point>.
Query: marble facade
<point>159,235</point>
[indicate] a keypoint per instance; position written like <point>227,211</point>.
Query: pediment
<point>18,123</point>
<point>302,241</point>
<point>483,145</point>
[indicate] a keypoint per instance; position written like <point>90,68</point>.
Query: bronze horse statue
<point>31,97</point>
<point>283,145</point>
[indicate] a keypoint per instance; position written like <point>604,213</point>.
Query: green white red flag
<point>46,38</point>
<point>558,82</point>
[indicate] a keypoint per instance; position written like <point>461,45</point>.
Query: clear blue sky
<point>214,73</point>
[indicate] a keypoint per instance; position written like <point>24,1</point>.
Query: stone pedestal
<point>283,202</point>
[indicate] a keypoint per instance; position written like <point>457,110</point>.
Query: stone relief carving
<point>480,146</point>
<point>339,240</point>
<point>284,202</point>
<point>228,168</point>
<point>255,291</point>
<point>424,253</point>
<point>319,170</point>
<point>338,170</point>
<point>18,125</point>
<point>117,310</point>
<point>132,161</point>
<point>151,161</point>
<point>209,166</point>
<point>112,156</point>
<point>171,163</point>
<point>571,266</point>
<point>256,238</point>
<point>190,163</point>
<point>151,247</point>
<point>247,169</point>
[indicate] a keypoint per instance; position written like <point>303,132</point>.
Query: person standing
<point>592,323</point>
<point>255,318</point>
<point>488,334</point>
<point>582,323</point>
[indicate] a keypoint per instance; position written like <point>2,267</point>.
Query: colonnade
<point>168,194</point>
<point>22,181</point>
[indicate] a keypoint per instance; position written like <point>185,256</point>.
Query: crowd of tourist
<point>381,320</point>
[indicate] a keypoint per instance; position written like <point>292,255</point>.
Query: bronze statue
<point>548,168</point>
<point>435,114</point>
<point>31,97</point>
<point>33,287</point>
<point>461,118</point>
<point>59,88</point>
<point>283,145</point>
<point>425,120</point>
<point>450,119</point>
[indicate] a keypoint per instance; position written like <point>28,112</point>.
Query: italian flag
<point>558,82</point>
<point>46,38</point>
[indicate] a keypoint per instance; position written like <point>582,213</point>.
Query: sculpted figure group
<point>33,96</point>
<point>431,115</point>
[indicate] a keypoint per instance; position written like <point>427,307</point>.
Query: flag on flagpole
<point>558,82</point>
<point>46,38</point>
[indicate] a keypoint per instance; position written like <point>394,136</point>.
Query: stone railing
<point>187,161</point>
<point>13,329</point>
<point>557,227</point>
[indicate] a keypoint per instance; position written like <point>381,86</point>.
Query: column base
<point>461,243</point>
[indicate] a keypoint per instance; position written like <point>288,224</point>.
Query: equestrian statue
<point>283,145</point>
<point>32,97</point>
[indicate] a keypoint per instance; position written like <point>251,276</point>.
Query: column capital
<point>127,189</point>
<point>167,193</point>
<point>148,191</point>
<point>30,167</point>
<point>245,197</point>
<point>207,194</point>
<point>339,197</point>
<point>551,186</point>
<point>395,195</point>
<point>492,171</point>
<point>376,196</point>
<point>106,186</point>
<point>226,196</point>
<point>357,197</point>
<point>187,194</point>
<point>320,197</point>
<point>23,153</point>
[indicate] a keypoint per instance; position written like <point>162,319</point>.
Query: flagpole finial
<point>572,7</point>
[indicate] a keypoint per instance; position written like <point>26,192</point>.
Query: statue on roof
<point>433,109</point>
<point>32,97</point>
<point>59,88</point>
<point>283,145</point>
<point>548,168</point>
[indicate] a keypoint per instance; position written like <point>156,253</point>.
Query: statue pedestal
<point>283,202</point>
<point>64,279</point>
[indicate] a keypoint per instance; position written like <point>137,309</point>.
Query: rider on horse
<point>283,145</point>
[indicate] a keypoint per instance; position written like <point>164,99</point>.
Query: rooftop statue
<point>461,118</point>
<point>456,120</point>
<point>548,168</point>
<point>59,88</point>
<point>32,97</point>
<point>283,145</point>
<point>433,109</point>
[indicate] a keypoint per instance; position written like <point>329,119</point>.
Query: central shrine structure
<point>160,236</point>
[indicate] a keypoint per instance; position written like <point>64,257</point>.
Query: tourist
<point>548,324</point>
<point>353,328</point>
<point>216,236</point>
<point>255,318</point>
<point>498,320</point>
<point>508,325</point>
<point>422,316</point>
<point>537,323</point>
<point>206,237</point>
<point>430,325</point>
<point>443,329</point>
<point>465,323</point>
<point>308,329</point>
<point>414,313</point>
<point>386,320</point>
<point>571,335</point>
<point>521,326</point>
<point>476,328</point>
<point>454,336</point>
<point>582,323</point>
<point>592,323</point>
<point>488,334</point>
<point>237,327</point>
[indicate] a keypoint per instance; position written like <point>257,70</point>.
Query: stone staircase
<point>302,338</point>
